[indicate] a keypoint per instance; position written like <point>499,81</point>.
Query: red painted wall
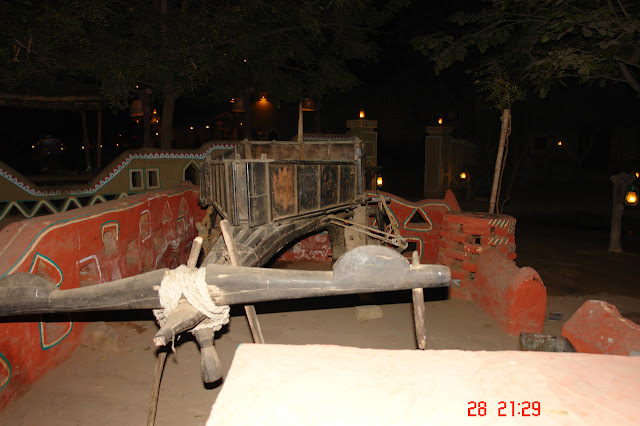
<point>84,247</point>
<point>420,222</point>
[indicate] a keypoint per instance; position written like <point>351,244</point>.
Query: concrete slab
<point>319,385</point>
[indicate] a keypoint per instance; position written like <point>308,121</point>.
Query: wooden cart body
<point>257,183</point>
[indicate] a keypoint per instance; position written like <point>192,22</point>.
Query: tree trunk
<point>248,111</point>
<point>318,117</point>
<point>166,127</point>
<point>99,141</point>
<point>620,183</point>
<point>300,130</point>
<point>518,159</point>
<point>506,117</point>
<point>85,134</point>
<point>146,110</point>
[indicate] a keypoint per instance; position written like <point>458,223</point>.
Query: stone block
<point>460,275</point>
<point>477,229</point>
<point>322,384</point>
<point>470,265</point>
<point>455,254</point>
<point>444,243</point>
<point>455,236</point>
<point>598,327</point>
<point>368,312</point>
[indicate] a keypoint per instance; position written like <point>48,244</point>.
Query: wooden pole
<point>250,310</point>
<point>162,357</point>
<point>418,310</point>
<point>506,118</point>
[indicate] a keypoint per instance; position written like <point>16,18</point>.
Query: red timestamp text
<point>505,408</point>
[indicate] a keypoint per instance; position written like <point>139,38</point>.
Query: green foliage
<point>543,43</point>
<point>290,49</point>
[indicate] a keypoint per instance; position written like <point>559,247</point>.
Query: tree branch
<point>629,77</point>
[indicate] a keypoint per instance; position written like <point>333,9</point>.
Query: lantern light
<point>308,105</point>
<point>33,146</point>
<point>379,181</point>
<point>637,175</point>
<point>559,143</point>
<point>206,127</point>
<point>440,121</point>
<point>463,175</point>
<point>136,109</point>
<point>632,197</point>
<point>238,105</point>
<point>361,113</point>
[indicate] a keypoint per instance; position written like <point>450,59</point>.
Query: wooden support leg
<point>418,311</point>
<point>162,355</point>
<point>252,317</point>
<point>210,365</point>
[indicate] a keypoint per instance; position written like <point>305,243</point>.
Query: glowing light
<point>637,175</point>
<point>631,198</point>
<point>232,100</point>
<point>244,60</point>
<point>82,146</point>
<point>379,181</point>
<point>559,143</point>
<point>463,175</point>
<point>361,113</point>
<point>100,146</point>
<point>191,127</point>
<point>440,121</point>
<point>206,127</point>
<point>62,148</point>
<point>120,134</point>
<point>155,111</point>
<point>117,144</point>
<point>33,146</point>
<point>263,98</point>
<point>156,133</point>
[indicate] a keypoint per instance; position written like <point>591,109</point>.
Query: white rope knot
<point>190,283</point>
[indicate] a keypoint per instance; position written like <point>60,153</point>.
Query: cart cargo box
<point>261,182</point>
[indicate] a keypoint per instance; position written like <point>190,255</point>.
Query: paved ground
<point>110,382</point>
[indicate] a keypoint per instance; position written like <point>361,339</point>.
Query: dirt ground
<point>109,381</point>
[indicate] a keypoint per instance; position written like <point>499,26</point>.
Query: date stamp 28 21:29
<point>504,408</point>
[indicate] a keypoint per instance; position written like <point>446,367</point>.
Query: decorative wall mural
<point>51,333</point>
<point>5,371</point>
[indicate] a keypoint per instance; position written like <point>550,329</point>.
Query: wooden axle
<point>366,269</point>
